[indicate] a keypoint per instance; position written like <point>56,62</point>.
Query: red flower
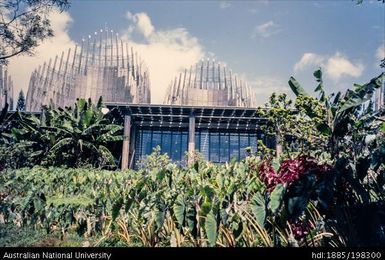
<point>289,171</point>
<point>300,229</point>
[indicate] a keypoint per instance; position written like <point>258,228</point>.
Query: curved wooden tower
<point>209,84</point>
<point>103,66</point>
<point>6,88</point>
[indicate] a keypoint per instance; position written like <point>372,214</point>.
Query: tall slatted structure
<point>379,98</point>
<point>6,88</point>
<point>209,83</point>
<point>103,65</point>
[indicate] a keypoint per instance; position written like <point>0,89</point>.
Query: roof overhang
<point>177,116</point>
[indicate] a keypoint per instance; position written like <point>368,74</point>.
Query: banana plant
<point>334,114</point>
<point>84,132</point>
<point>69,136</point>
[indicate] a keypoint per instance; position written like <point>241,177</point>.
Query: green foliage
<point>318,193</point>
<point>276,198</point>
<point>67,137</point>
<point>258,208</point>
<point>5,124</point>
<point>25,24</point>
<point>20,105</point>
<point>345,135</point>
<point>288,125</point>
<point>348,132</point>
<point>202,205</point>
<point>13,236</point>
<point>335,118</point>
<point>211,228</point>
<point>155,160</point>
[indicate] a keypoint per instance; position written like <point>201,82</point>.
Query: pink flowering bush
<point>289,171</point>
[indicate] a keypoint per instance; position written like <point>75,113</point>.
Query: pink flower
<point>290,170</point>
<point>300,229</point>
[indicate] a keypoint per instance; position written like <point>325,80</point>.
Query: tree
<point>361,1</point>
<point>24,24</point>
<point>20,106</point>
<point>336,116</point>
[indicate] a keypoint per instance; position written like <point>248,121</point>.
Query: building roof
<point>177,116</point>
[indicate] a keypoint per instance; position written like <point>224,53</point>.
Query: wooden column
<point>191,138</point>
<point>126,142</point>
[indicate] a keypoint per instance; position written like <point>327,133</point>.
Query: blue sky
<point>265,42</point>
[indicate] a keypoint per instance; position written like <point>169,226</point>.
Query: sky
<point>263,41</point>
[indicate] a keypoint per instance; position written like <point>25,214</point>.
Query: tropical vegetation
<point>70,137</point>
<point>58,180</point>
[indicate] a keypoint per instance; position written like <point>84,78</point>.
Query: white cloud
<point>338,66</point>
<point>166,52</point>
<point>224,4</point>
<point>142,22</point>
<point>266,85</point>
<point>335,66</point>
<point>380,53</point>
<point>265,30</point>
<point>21,67</point>
<point>307,60</point>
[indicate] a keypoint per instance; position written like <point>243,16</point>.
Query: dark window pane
<point>204,144</point>
<point>214,147</point>
<point>234,146</point>
<point>224,147</point>
<point>243,143</point>
<point>138,151</point>
<point>166,142</point>
<point>253,142</point>
<point>146,143</point>
<point>176,146</point>
<point>184,145</point>
<point>197,145</point>
<point>156,139</point>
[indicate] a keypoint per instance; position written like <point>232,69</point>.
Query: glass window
<point>138,146</point>
<point>243,143</point>
<point>234,146</point>
<point>204,144</point>
<point>184,145</point>
<point>176,146</point>
<point>224,147</point>
<point>197,141</point>
<point>146,143</point>
<point>214,147</point>
<point>156,139</point>
<point>253,142</point>
<point>166,142</point>
<point>174,143</point>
